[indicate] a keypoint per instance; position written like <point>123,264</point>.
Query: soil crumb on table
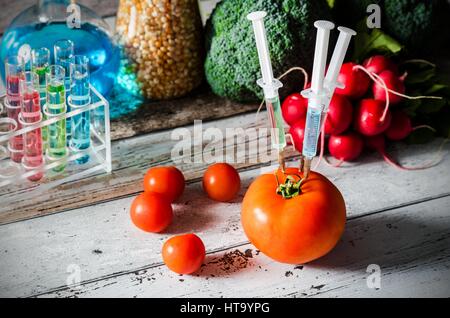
<point>232,261</point>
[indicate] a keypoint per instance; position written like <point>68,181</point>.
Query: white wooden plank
<point>37,252</point>
<point>130,159</point>
<point>409,244</point>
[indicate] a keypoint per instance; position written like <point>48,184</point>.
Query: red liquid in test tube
<point>14,68</point>
<point>31,113</point>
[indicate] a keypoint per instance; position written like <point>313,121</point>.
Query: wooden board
<point>101,240</point>
<point>156,116</point>
<point>132,157</point>
<point>409,244</point>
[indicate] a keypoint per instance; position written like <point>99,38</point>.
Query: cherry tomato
<point>184,254</point>
<point>294,108</point>
<point>168,181</point>
<point>221,182</point>
<point>290,224</point>
<point>151,212</point>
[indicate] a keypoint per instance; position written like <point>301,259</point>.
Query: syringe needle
<point>281,161</point>
<point>306,167</point>
<point>302,163</point>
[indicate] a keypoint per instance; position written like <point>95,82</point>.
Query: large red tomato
<point>293,229</point>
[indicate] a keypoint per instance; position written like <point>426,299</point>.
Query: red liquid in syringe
<point>31,113</point>
<point>13,111</point>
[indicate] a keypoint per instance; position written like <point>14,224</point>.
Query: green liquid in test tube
<point>64,57</point>
<point>40,62</point>
<point>56,106</point>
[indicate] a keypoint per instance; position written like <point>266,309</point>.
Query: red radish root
<point>368,117</point>
<point>346,147</point>
<point>392,82</point>
<point>400,126</point>
<point>379,63</point>
<point>339,114</point>
<point>294,108</point>
<point>356,82</point>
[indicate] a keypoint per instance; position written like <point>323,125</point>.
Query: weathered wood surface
<point>131,158</point>
<point>160,115</point>
<point>410,245</point>
<point>37,252</point>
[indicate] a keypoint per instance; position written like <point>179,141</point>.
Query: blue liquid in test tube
<point>64,55</point>
<point>79,97</point>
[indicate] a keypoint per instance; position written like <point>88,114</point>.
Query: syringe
<point>321,92</point>
<point>269,84</point>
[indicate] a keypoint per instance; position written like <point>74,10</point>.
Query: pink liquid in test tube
<point>31,113</point>
<point>14,68</point>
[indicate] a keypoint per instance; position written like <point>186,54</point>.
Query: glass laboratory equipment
<point>48,21</point>
<point>163,41</point>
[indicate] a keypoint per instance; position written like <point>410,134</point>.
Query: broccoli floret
<point>232,65</point>
<point>414,22</point>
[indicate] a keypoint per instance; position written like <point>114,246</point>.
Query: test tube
<point>64,54</point>
<point>14,66</point>
<point>56,106</point>
<point>40,61</point>
<point>79,97</point>
<point>31,114</point>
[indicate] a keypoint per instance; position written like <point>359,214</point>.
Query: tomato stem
<point>290,188</point>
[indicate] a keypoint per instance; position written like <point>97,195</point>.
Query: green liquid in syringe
<point>278,136</point>
<point>56,105</point>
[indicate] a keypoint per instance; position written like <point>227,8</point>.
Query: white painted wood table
<point>397,220</point>
<point>81,242</point>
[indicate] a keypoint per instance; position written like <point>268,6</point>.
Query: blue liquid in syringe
<point>80,97</point>
<point>312,130</point>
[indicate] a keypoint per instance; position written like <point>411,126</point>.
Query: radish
<point>400,126</point>
<point>376,143</point>
<point>379,63</point>
<point>393,82</point>
<point>368,119</point>
<point>294,108</point>
<point>356,81</point>
<point>339,115</point>
<point>297,132</point>
<point>346,147</point>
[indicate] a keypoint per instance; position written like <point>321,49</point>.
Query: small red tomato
<point>221,182</point>
<point>168,181</point>
<point>151,212</point>
<point>184,254</point>
<point>294,108</point>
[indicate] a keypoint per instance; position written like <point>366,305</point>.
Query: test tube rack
<point>14,177</point>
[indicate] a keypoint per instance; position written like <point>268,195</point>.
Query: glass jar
<point>163,41</point>
<point>46,22</point>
